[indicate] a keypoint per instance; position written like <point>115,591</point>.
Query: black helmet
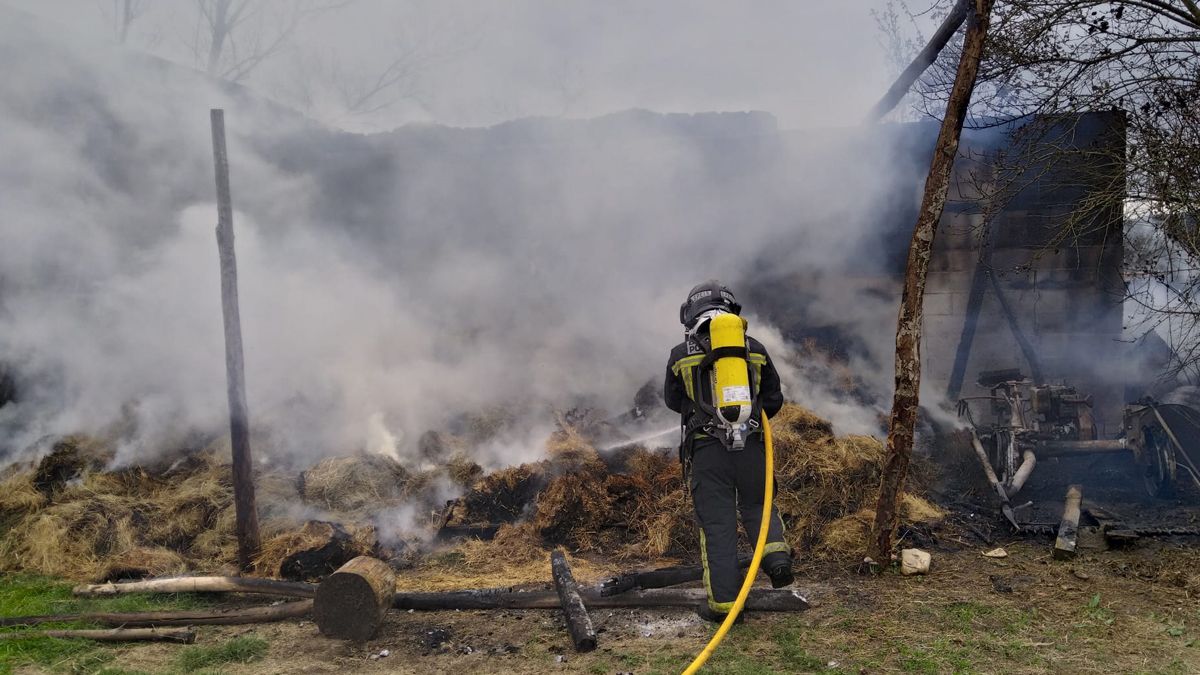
<point>708,295</point>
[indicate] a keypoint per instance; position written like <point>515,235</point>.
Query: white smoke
<point>533,266</point>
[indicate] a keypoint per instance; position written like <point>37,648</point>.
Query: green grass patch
<point>238,650</point>
<point>29,595</point>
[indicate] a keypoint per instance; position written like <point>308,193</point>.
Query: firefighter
<point>724,462</point>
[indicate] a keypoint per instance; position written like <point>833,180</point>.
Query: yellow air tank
<point>731,376</point>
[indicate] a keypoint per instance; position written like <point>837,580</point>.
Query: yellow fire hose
<point>763,526</point>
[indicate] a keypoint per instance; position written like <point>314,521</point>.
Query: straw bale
<point>68,459</point>
<point>848,535</point>
<point>515,557</point>
<point>314,550</point>
<point>569,451</point>
<point>141,562</point>
<point>915,509</point>
<point>72,539</point>
<point>18,495</point>
<point>499,497</point>
<point>463,470</point>
<point>573,508</point>
<point>354,483</point>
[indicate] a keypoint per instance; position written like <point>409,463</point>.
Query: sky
<point>811,63</point>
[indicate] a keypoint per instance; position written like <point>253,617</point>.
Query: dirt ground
<point>1133,610</point>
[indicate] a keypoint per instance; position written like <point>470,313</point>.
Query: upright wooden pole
<point>908,325</point>
<point>235,376</point>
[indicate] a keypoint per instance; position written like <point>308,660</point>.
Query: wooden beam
<point>219,617</point>
<point>579,624</point>
<point>235,376</point>
<point>760,600</point>
<point>293,589</point>
<point>352,602</point>
<point>1068,529</point>
<point>178,635</point>
<point>924,59</point>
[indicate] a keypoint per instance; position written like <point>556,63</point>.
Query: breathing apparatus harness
<point>724,373</point>
<point>735,412</point>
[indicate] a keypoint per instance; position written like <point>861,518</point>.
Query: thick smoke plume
<point>391,283</point>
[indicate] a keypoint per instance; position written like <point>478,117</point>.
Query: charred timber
<point>579,624</point>
<point>760,600</point>
<point>659,578</point>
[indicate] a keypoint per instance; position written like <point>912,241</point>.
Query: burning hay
<point>354,483</point>
<point>83,522</point>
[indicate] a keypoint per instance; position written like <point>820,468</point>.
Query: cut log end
<point>352,602</point>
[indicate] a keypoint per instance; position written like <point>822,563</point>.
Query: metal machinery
<point>1025,422</point>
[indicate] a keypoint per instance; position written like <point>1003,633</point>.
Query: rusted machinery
<point>1026,422</point>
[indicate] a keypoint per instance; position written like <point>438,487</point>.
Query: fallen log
<point>220,617</point>
<point>293,589</point>
<point>583,633</point>
<point>1068,529</point>
<point>760,600</point>
<point>352,602</point>
<point>659,578</point>
<point>178,635</point>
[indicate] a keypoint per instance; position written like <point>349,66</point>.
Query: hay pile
<point>633,506</point>
<point>92,524</point>
<point>69,517</point>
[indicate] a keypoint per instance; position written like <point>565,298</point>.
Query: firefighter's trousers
<point>724,483</point>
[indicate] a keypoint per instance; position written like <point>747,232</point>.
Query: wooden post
<point>218,617</point>
<point>924,59</point>
<point>583,634</point>
<point>352,602</point>
<point>908,325</point>
<point>1068,529</point>
<point>235,375</point>
<point>291,589</point>
<point>178,635</point>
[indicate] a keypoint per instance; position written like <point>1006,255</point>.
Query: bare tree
<point>902,426</point>
<point>123,13</point>
<point>1049,60</point>
<point>231,38</point>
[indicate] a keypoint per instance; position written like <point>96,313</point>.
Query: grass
<point>238,650</point>
<point>27,595</point>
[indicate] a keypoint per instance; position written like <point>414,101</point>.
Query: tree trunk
<point>179,635</point>
<point>583,633</point>
<point>352,602</point>
<point>908,324</point>
<point>201,585</point>
<point>235,374</point>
